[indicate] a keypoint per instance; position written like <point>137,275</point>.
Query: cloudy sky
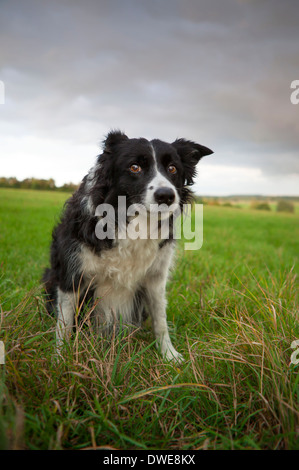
<point>215,71</point>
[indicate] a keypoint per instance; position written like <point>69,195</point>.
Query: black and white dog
<point>124,277</point>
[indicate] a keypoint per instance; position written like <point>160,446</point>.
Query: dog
<point>125,278</point>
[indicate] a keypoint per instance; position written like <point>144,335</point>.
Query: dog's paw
<point>172,355</point>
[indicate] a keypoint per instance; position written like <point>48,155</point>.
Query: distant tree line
<point>35,183</point>
<point>282,206</point>
<point>262,203</point>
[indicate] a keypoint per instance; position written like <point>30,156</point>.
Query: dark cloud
<point>213,71</point>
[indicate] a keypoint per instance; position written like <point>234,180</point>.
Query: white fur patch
<point>116,275</point>
<point>158,181</point>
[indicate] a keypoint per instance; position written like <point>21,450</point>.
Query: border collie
<point>124,278</point>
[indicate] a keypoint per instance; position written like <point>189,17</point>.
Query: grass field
<point>233,314</point>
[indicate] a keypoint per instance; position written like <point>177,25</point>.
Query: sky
<point>218,72</point>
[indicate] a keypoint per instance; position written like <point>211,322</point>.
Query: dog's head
<point>147,172</point>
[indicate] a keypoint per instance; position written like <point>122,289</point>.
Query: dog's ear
<point>113,138</point>
<point>190,154</point>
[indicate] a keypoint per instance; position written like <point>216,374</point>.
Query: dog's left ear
<point>190,154</point>
<point>114,138</point>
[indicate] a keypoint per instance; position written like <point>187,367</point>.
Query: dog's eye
<point>172,169</point>
<point>135,168</point>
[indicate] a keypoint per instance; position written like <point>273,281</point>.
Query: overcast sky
<point>215,71</point>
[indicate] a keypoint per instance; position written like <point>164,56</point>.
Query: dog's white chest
<point>124,266</point>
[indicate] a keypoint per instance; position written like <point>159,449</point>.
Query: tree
<point>285,206</point>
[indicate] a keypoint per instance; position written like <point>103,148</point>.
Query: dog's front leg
<point>156,301</point>
<point>65,317</point>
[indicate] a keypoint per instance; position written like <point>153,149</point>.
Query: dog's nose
<point>164,196</point>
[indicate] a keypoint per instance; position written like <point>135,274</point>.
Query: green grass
<point>233,314</point>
